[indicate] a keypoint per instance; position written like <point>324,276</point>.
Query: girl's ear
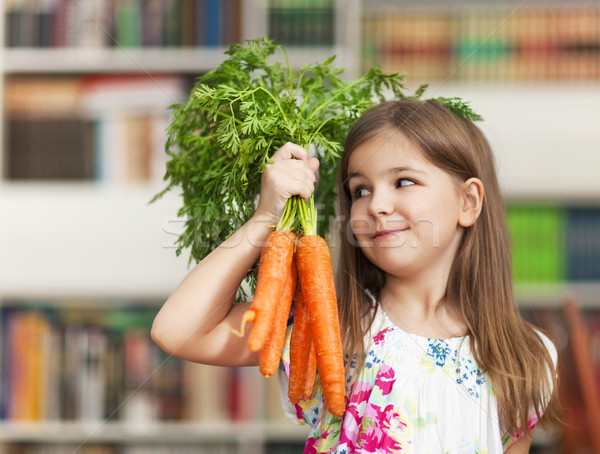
<point>472,202</point>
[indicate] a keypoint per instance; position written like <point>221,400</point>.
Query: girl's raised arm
<point>197,321</point>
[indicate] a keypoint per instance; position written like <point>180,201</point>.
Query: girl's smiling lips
<point>381,234</point>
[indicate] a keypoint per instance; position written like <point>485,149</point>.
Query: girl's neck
<point>421,308</point>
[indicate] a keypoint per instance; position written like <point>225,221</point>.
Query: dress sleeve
<point>305,411</point>
<point>532,419</point>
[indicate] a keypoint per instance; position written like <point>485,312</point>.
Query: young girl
<point>438,358</point>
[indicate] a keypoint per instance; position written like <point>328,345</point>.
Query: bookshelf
<point>81,372</point>
<point>94,242</point>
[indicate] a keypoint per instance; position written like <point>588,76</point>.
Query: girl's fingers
<point>290,150</point>
<point>293,152</point>
<point>290,173</point>
<point>289,178</point>
<point>313,164</point>
<point>291,164</point>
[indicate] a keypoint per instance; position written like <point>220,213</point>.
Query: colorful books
<point>123,23</point>
<point>555,243</point>
<point>99,364</point>
<point>483,44</point>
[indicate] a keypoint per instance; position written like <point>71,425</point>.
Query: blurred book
<point>302,22</point>
<point>539,238</point>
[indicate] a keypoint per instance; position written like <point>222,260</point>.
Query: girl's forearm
<point>205,296</point>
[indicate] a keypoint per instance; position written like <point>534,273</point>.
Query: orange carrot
<point>299,349</point>
<point>311,373</point>
<point>275,262</point>
<point>270,355</point>
<point>318,287</point>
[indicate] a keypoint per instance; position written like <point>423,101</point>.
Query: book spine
<point>153,23</point>
<point>201,18</point>
<point>226,19</point>
<point>213,23</point>
<point>583,244</point>
<point>174,23</point>
<point>539,241</point>
<point>128,23</point>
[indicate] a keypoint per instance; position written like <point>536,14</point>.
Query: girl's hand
<point>291,173</point>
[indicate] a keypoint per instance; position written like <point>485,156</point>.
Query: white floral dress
<point>414,395</point>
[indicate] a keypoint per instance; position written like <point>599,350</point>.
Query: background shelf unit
<point>96,243</point>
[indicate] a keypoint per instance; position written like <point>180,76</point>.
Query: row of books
<point>485,44</point>
<point>109,128</point>
<point>302,22</point>
<point>122,23</point>
<point>555,243</point>
<point>54,369</point>
<point>101,365</point>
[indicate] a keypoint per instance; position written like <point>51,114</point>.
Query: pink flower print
<point>320,443</point>
<point>355,408</point>
<point>349,432</point>
<point>380,336</point>
<point>361,392</point>
<point>311,446</point>
<point>368,427</point>
<point>354,412</point>
<point>385,379</point>
<point>375,435</point>
<point>299,412</point>
<point>369,440</point>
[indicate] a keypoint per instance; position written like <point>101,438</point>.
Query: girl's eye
<point>402,182</point>
<point>360,192</point>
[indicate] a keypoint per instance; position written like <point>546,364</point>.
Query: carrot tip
<point>248,317</point>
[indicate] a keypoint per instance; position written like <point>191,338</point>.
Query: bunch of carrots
<point>295,266</point>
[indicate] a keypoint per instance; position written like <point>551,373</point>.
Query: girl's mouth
<point>383,234</point>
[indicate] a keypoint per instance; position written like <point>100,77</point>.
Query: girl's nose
<point>380,204</point>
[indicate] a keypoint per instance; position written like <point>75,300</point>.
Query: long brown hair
<point>480,281</point>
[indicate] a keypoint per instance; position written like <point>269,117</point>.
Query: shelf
<point>159,432</point>
<point>88,240</point>
<point>136,60</point>
<point>545,136</point>
<point>554,294</point>
<point>84,60</point>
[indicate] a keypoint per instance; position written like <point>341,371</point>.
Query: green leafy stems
<point>289,222</point>
<point>299,216</point>
<point>307,216</point>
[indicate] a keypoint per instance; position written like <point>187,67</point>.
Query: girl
<point>438,358</point>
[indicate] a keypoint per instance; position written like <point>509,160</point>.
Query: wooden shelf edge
<point>142,60</point>
<point>164,432</point>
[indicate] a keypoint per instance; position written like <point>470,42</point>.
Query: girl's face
<point>405,210</point>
